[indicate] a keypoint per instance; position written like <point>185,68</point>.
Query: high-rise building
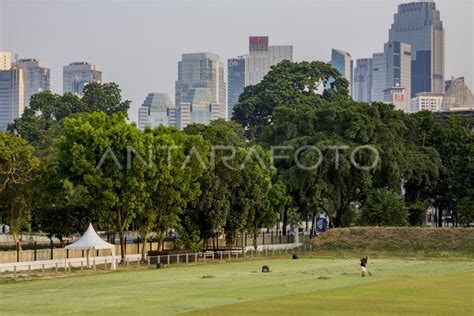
<point>278,53</point>
<point>342,61</point>
<point>262,56</point>
<point>5,60</point>
<point>78,74</point>
<point>397,96</point>
<point>12,95</point>
<point>392,69</point>
<point>362,88</point>
<point>196,109</point>
<point>235,82</point>
<point>199,113</point>
<point>154,111</point>
<point>201,70</point>
<point>429,101</point>
<point>37,77</point>
<point>419,24</point>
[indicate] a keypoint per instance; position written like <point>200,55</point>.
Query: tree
<point>42,120</point>
<point>257,175</point>
<point>416,213</point>
<point>45,110</point>
<point>288,84</point>
<point>172,180</point>
<point>95,151</point>
<point>17,167</point>
<point>455,145</point>
<point>59,207</point>
<point>104,97</point>
<point>211,209</point>
<point>347,134</point>
<point>465,208</point>
<point>280,203</point>
<point>423,166</point>
<point>383,208</point>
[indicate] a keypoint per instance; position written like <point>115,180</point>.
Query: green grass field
<point>307,286</point>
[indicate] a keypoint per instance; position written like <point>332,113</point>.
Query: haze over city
<point>138,44</point>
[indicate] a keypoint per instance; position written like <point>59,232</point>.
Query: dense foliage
<point>298,145</point>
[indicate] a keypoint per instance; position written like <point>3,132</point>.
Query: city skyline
<point>139,67</point>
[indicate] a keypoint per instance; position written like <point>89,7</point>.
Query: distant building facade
<point>397,96</point>
<point>155,111</point>
<point>262,56</point>
<point>362,89</point>
<point>200,83</point>
<point>419,24</point>
<point>392,69</point>
<point>429,101</point>
<point>235,82</point>
<point>197,109</point>
<point>77,75</point>
<point>5,60</point>
<point>201,70</point>
<point>458,95</point>
<point>12,95</point>
<point>342,61</point>
<point>37,77</point>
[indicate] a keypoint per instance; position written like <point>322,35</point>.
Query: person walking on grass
<point>363,266</point>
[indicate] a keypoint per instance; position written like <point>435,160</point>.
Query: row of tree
<point>74,161</point>
<point>70,160</point>
<point>420,162</point>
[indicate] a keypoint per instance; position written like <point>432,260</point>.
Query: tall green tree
<point>257,177</point>
<point>46,109</point>
<point>172,179</point>
<point>104,97</point>
<point>423,166</point>
<point>288,84</point>
<point>59,207</point>
<point>97,151</point>
<point>211,209</point>
<point>455,145</point>
<point>17,167</point>
<point>42,120</point>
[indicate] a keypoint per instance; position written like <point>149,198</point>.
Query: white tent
<point>90,240</point>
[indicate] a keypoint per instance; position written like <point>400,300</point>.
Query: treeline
<point>297,145</point>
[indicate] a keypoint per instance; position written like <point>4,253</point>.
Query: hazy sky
<point>138,43</point>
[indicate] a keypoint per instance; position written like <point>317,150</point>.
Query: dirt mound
<point>397,239</point>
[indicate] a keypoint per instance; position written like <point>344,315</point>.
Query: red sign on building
<point>399,97</point>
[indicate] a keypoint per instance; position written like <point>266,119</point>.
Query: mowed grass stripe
<point>451,294</point>
<point>178,289</point>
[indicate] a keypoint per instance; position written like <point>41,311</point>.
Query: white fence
<point>97,264</point>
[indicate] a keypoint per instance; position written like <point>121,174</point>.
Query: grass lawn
<point>307,286</point>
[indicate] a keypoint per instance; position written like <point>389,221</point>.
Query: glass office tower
<point>362,90</point>
<point>342,61</point>
<point>37,77</point>
<point>235,82</point>
<point>419,24</point>
<point>78,74</point>
<point>391,75</point>
<point>201,70</point>
<point>12,95</point>
<point>154,111</point>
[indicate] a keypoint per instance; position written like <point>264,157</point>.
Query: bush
<point>383,208</point>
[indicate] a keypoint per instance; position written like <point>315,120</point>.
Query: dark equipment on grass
<point>265,269</point>
<point>295,256</point>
